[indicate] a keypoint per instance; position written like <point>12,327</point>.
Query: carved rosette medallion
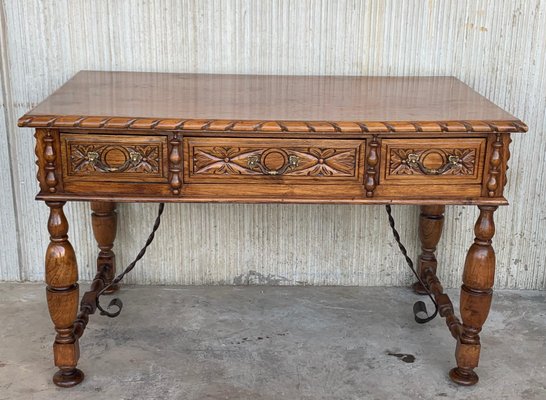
<point>459,162</point>
<point>310,161</point>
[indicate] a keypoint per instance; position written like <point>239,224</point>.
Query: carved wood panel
<point>119,158</point>
<point>86,159</point>
<point>433,160</point>
<point>282,158</point>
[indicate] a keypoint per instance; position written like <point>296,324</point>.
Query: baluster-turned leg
<point>104,220</point>
<point>62,297</point>
<point>431,222</point>
<point>476,294</point>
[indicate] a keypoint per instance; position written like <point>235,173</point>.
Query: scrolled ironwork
<point>419,307</point>
<point>116,302</point>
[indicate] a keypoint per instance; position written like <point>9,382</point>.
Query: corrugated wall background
<point>497,47</point>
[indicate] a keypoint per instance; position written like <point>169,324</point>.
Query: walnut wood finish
<point>273,161</point>
<point>62,297</point>
<point>371,166</point>
<point>109,137</point>
<point>199,172</point>
<point>130,158</point>
<point>431,223</point>
<point>434,161</point>
<point>476,295</point>
<point>269,104</point>
<point>495,166</point>
<point>175,164</point>
<point>104,220</point>
<point>445,306</point>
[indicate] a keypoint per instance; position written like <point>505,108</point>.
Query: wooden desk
<point>108,137</point>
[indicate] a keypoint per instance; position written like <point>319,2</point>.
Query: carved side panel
<point>114,158</point>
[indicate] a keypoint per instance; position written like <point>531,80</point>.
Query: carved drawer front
<point>109,158</point>
<point>434,161</point>
<point>241,160</point>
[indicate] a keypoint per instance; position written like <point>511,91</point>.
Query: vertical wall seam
<point>7,100</point>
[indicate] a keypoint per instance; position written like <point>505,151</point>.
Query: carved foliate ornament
<point>286,161</point>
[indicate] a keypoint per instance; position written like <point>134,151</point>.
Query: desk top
<point>161,101</point>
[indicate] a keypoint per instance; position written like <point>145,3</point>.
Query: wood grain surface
<point>269,104</point>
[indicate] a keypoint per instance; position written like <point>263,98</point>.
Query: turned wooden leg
<point>476,294</point>
<point>431,222</point>
<point>104,220</point>
<point>62,297</point>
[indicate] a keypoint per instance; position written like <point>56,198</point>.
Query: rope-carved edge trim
<point>217,125</point>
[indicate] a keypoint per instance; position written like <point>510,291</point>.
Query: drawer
<point>432,161</point>
<point>240,160</point>
<point>109,158</point>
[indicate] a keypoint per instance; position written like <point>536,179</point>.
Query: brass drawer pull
<point>95,159</point>
<point>256,162</point>
<point>413,161</point>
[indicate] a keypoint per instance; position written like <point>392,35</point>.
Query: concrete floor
<point>271,343</point>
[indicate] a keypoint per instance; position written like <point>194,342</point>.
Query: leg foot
<point>463,377</point>
<point>62,296</point>
<point>476,295</point>
<point>66,378</point>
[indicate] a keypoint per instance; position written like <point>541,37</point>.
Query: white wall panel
<point>9,260</point>
<point>497,47</point>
